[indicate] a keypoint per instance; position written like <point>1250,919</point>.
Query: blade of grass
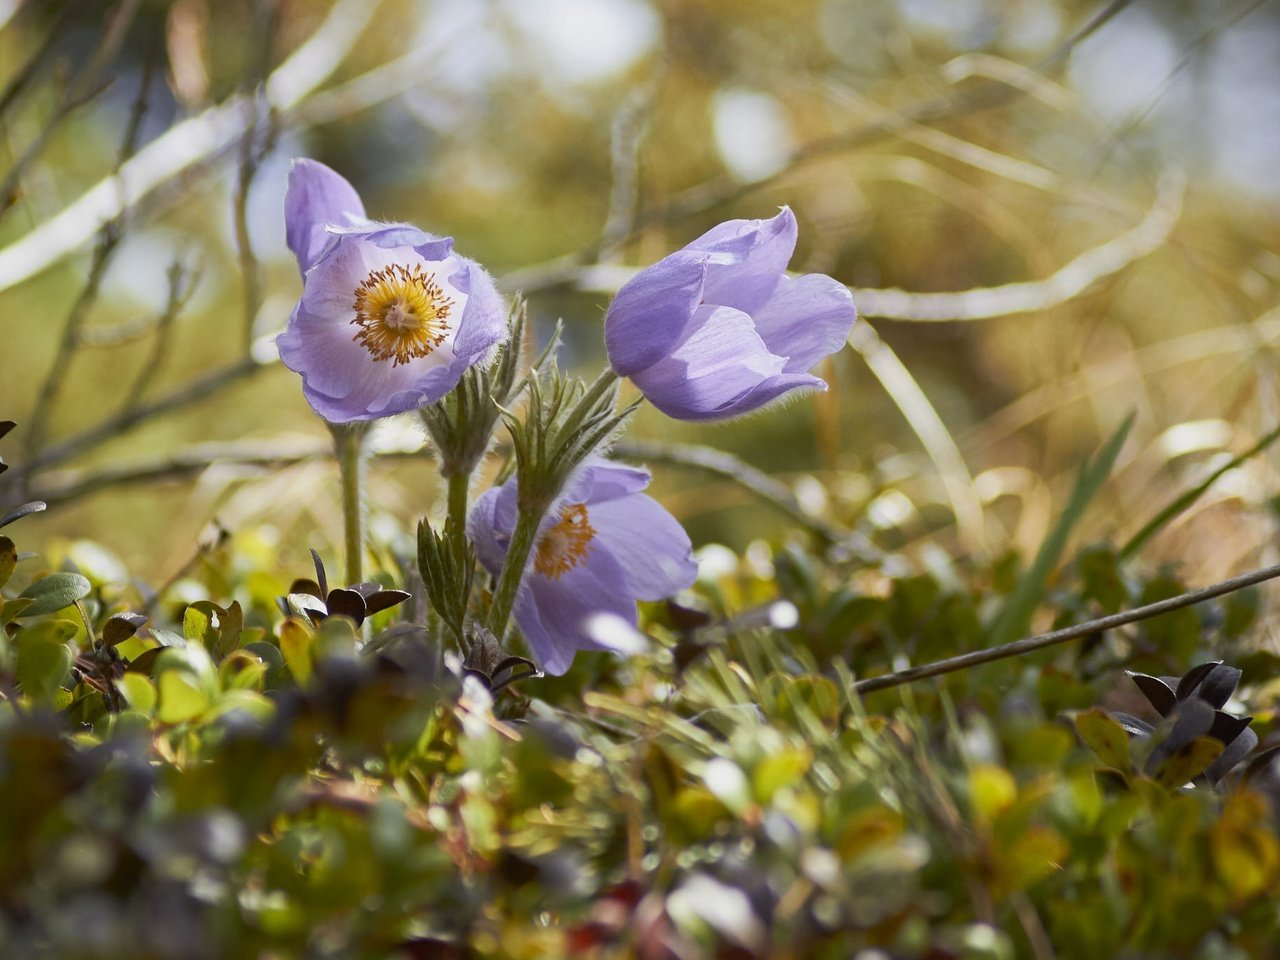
<point>1185,500</point>
<point>1014,618</point>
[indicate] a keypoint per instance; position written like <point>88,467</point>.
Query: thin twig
<point>85,87</point>
<point>108,240</point>
<point>1069,281</point>
<point>725,189</point>
<point>255,143</point>
<point>250,273</point>
<point>126,419</point>
<point>40,58</point>
<point>726,465</point>
<point>1030,644</point>
<point>186,144</point>
<point>182,284</point>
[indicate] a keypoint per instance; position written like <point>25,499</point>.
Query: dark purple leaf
<point>145,662</point>
<point>1191,679</point>
<point>1226,727</point>
<point>1218,686</point>
<point>121,627</point>
<point>320,577</point>
<point>384,600</point>
<point>304,585</point>
<point>346,602</point>
<point>1132,725</point>
<point>1159,693</point>
<point>1261,762</point>
<point>366,588</point>
<point>687,619</point>
<point>1237,750</point>
<point>6,426</point>
<point>1190,719</point>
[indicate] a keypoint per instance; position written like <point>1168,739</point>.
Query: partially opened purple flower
<point>603,547</point>
<point>390,316</point>
<point>717,329</point>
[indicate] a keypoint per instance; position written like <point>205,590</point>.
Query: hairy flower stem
<point>348,446</point>
<point>459,483</point>
<point>504,596</point>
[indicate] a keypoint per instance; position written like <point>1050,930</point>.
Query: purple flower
<point>716,329</point>
<point>390,316</point>
<point>603,547</point>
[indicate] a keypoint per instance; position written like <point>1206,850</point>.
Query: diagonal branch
<point>1030,644</point>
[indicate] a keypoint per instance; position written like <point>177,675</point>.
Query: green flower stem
<point>459,483</point>
<point>348,446</point>
<point>504,597</point>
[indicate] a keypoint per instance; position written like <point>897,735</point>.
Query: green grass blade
<point>1184,501</point>
<point>1015,615</point>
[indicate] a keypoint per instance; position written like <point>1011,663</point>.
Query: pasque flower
<point>717,329</point>
<point>602,547</point>
<point>390,316</point>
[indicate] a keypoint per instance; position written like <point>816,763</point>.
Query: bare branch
<point>127,419</point>
<point>722,464</point>
<point>1030,644</point>
<point>979,303</point>
<point>1071,280</point>
<point>186,144</point>
<point>108,240</point>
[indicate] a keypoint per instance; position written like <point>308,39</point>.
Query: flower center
<point>402,313</point>
<point>564,545</point>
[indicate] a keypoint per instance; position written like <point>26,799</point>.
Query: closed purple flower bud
<point>390,316</point>
<point>605,546</point>
<point>717,329</point>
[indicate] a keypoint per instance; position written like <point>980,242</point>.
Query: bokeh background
<point>1095,182</point>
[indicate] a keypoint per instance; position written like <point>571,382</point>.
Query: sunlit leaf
<point>1105,737</point>
<point>55,592</point>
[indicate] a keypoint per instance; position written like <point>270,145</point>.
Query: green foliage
<point>256,783</point>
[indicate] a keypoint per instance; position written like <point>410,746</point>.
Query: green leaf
<point>182,698</point>
<point>8,559</point>
<point>197,624</point>
<point>1100,571</point>
<point>1104,737</point>
<point>1176,633</point>
<point>295,644</point>
<point>1015,615</point>
<point>54,592</point>
<point>1240,610</point>
<point>1189,761</point>
<point>779,770</point>
<point>43,659</point>
<point>10,610</point>
<point>138,691</point>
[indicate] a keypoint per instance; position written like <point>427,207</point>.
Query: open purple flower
<point>390,316</point>
<point>603,547</point>
<point>717,329</point>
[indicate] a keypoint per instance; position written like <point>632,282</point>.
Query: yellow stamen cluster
<point>402,313</point>
<point>563,546</point>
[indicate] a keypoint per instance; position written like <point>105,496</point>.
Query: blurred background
<point>1053,214</point>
